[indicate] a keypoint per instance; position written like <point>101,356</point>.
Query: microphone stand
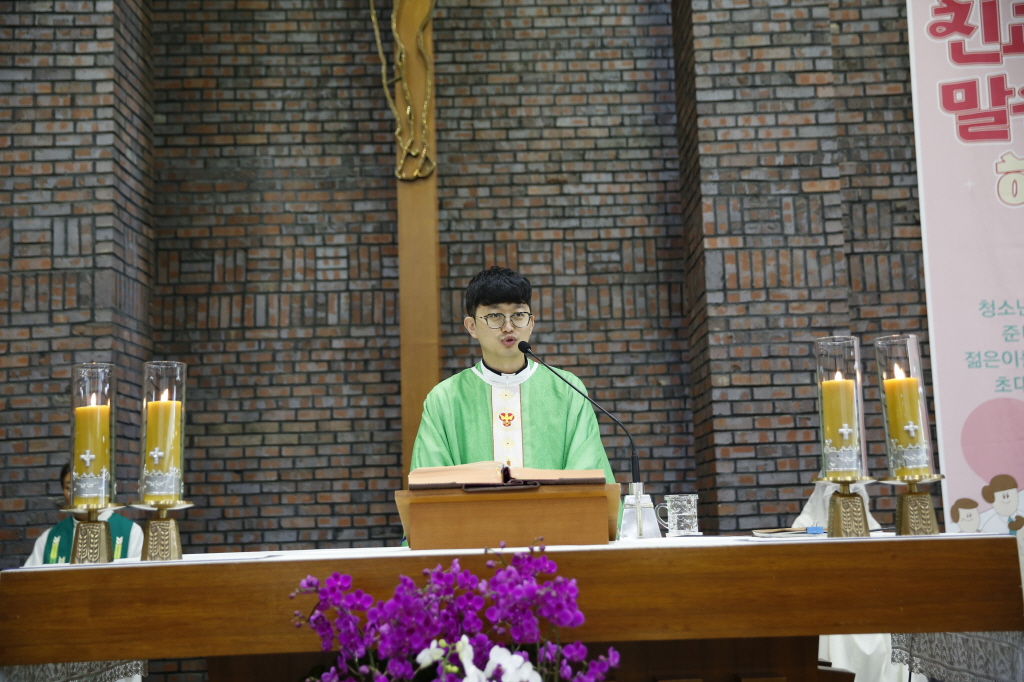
<point>638,518</point>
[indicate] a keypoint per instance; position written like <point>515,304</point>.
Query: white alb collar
<point>505,379</point>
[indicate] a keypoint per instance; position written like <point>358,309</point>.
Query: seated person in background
<point>507,408</point>
<point>55,544</point>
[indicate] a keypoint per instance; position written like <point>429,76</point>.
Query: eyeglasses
<point>497,320</point>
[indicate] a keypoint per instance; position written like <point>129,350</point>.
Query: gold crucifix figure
<point>419,277</point>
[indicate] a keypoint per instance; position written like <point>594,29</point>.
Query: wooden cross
<point>419,272</point>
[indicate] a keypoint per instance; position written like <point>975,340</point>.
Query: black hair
<point>64,471</point>
<point>496,285</point>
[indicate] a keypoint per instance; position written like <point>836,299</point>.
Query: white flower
<point>432,654</point>
<point>465,652</point>
<point>514,668</point>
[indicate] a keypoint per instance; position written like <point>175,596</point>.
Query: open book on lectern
<point>490,475</point>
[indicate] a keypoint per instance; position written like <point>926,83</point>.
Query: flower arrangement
<point>456,626</point>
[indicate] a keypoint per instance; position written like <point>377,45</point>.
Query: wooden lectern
<point>454,518</point>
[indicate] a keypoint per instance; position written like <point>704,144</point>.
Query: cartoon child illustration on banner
<point>965,515</point>
<point>993,446</point>
<point>1003,495</point>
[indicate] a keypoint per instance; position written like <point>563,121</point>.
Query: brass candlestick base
<point>847,517</point>
<point>92,543</point>
<point>915,513</point>
<point>162,541</point>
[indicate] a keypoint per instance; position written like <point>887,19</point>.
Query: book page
<point>557,476</point>
<point>474,473</point>
<point>490,473</point>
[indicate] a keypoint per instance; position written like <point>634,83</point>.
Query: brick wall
<point>276,254</point>
<point>132,257</point>
<point>71,284</point>
<point>558,159</point>
<point>695,290</point>
<point>810,229</point>
<point>879,188</point>
<point>775,272</point>
<point>215,187</point>
<point>276,276</point>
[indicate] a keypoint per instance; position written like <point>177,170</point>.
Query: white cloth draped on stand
<point>867,655</point>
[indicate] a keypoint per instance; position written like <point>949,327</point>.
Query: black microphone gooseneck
<point>524,347</point>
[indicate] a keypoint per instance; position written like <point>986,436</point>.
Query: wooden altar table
<point>771,597</point>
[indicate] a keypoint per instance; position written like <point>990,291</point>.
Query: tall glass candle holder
<point>904,406</point>
<point>161,481</point>
<point>93,455</point>
<point>840,409</point>
<point>93,435</point>
<point>907,433</point>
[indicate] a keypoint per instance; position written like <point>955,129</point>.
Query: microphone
<point>524,347</point>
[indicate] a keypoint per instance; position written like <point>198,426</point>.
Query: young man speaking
<point>507,408</point>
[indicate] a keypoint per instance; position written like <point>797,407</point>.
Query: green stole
<point>58,545</point>
<point>120,534</point>
<point>60,542</point>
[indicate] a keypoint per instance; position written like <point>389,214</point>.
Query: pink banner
<point>968,76</point>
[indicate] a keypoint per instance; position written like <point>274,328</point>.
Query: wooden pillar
<point>419,277</point>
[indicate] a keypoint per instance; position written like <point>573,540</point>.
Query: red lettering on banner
<point>958,54</point>
<point>974,123</point>
<point>990,21</point>
<point>998,93</point>
<point>1016,44</point>
<point>959,13</point>
<point>953,18</point>
<point>959,96</point>
<point>985,126</point>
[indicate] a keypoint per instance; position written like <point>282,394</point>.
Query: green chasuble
<point>61,539</point>
<point>559,428</point>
